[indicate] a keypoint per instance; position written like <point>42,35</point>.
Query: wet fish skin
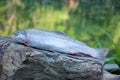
<point>54,41</point>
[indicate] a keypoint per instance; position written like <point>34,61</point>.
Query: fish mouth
<point>13,37</point>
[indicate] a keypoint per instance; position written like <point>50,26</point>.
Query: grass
<point>114,58</point>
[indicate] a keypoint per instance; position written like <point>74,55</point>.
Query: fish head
<point>19,36</point>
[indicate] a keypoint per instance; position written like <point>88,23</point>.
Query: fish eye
<point>16,34</point>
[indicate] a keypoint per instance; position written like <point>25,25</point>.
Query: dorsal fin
<point>52,31</point>
<point>58,32</point>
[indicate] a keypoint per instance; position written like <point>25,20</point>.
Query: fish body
<point>55,41</point>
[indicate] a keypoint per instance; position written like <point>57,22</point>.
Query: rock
<point>110,76</point>
<point>111,67</point>
<point>19,62</point>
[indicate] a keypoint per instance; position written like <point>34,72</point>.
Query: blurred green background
<point>95,22</point>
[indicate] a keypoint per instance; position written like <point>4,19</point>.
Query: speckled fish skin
<point>54,41</point>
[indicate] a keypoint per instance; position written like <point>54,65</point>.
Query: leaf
<point>109,60</point>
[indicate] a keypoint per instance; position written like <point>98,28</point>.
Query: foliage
<point>114,58</point>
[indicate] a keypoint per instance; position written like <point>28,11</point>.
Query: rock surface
<point>19,62</point>
<point>111,67</point>
<point>109,76</point>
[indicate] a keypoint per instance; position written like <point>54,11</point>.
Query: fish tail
<point>102,52</point>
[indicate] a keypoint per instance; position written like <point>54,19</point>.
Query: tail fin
<point>102,51</point>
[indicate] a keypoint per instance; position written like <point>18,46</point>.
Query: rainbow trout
<point>56,41</point>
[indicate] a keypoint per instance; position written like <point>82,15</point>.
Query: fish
<point>53,40</point>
